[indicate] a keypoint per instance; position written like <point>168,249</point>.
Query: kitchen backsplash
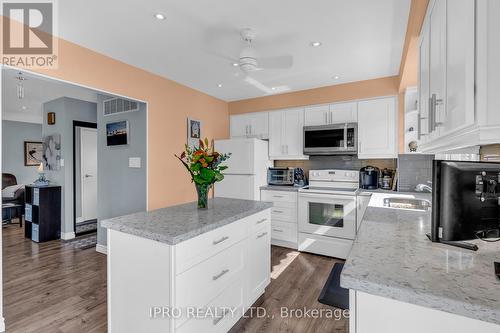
<point>490,153</point>
<point>414,169</point>
<point>336,162</point>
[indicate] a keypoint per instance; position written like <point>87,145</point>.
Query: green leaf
<point>222,167</point>
<point>219,177</point>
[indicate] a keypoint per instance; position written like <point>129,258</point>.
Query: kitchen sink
<point>407,203</point>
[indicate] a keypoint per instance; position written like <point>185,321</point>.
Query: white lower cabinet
<point>284,230</point>
<point>203,284</point>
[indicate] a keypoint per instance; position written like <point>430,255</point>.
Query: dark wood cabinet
<point>43,213</point>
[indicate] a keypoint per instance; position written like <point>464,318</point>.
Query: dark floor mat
<point>333,294</point>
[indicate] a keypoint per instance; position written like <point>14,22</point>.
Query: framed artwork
<point>52,152</point>
<point>194,132</point>
<point>33,153</point>
<point>117,133</point>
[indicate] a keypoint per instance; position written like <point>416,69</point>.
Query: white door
<point>259,262</point>
<point>317,115</point>
<point>242,160</point>
<point>344,113</point>
<point>293,136</point>
<point>377,128</point>
<point>88,158</point>
<point>276,146</point>
<point>239,126</point>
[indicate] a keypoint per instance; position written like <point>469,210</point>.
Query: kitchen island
<point>182,269</point>
<point>399,281</point>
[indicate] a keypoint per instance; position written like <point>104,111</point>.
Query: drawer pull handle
<point>278,211</point>
<point>261,221</point>
<point>218,276</point>
<point>218,319</point>
<point>262,235</point>
<point>220,240</point>
<point>278,196</point>
<point>278,230</point>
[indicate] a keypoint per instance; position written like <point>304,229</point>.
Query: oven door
<point>327,215</point>
<point>330,139</point>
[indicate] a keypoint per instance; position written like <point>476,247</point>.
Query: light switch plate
<point>134,162</point>
<point>61,163</point>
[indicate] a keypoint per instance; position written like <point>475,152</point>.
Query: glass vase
<point>202,190</point>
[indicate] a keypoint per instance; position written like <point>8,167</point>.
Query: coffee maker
<point>368,178</point>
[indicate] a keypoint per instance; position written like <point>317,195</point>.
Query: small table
<point>9,208</point>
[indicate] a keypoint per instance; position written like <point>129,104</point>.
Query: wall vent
<point>119,105</point>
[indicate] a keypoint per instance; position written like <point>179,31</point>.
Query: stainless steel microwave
<point>333,139</point>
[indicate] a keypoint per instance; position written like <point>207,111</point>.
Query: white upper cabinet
<point>250,125</point>
<point>286,134</point>
<point>459,52</point>
<point>344,113</point>
<point>318,115</point>
<point>377,128</point>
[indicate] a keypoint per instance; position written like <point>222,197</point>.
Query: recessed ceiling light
<point>235,64</point>
<point>336,77</point>
<point>160,16</point>
<point>315,44</point>
<point>219,85</point>
<point>24,107</point>
<point>273,88</point>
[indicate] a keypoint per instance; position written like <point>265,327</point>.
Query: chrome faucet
<point>423,188</point>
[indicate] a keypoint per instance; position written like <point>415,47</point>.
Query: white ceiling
<point>362,39</point>
<point>38,90</point>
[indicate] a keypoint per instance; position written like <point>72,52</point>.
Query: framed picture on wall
<point>33,153</point>
<point>52,152</point>
<point>117,133</point>
<point>194,132</point>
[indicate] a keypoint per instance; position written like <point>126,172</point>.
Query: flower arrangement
<point>204,165</point>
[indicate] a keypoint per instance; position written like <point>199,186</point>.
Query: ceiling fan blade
<point>258,85</point>
<point>280,62</point>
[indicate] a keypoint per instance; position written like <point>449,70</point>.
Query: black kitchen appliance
<point>368,178</point>
<point>281,176</point>
<point>299,177</point>
<point>465,201</point>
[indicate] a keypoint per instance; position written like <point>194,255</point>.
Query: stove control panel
<point>334,175</point>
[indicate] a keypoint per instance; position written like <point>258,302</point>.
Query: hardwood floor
<point>54,288</point>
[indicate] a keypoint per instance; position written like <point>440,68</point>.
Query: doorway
<point>85,177</point>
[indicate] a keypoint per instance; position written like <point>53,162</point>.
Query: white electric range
<point>327,211</point>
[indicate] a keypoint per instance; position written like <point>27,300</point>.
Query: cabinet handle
<point>278,211</point>
<point>286,149</point>
<point>345,136</point>
<point>278,230</point>
<point>221,274</point>
<point>250,129</point>
<point>261,221</point>
<point>331,117</point>
<point>218,319</point>
<point>262,235</point>
<point>220,240</point>
<point>326,117</point>
<point>277,196</point>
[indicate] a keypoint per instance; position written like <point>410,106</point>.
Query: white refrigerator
<point>247,168</point>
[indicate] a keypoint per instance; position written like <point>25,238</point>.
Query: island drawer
<point>199,285</point>
<point>259,220</point>
<point>233,297</point>
<point>284,231</point>
<point>278,196</point>
<point>202,247</point>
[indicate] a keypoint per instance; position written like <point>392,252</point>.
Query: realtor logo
<point>28,34</point>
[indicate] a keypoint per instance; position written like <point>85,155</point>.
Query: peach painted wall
<point>169,104</point>
<point>341,92</point>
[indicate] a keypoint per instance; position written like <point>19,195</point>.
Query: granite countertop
<point>393,258</point>
<point>281,188</point>
<point>173,225</point>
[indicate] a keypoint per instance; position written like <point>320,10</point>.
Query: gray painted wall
<point>14,133</point>
<point>121,190</point>
<point>67,110</point>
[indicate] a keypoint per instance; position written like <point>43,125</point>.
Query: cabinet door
<point>437,65</point>
<point>259,125</point>
<point>276,149</point>
<point>344,113</point>
<point>459,65</point>
<point>259,254</point>
<point>377,128</point>
<point>239,126</point>
<point>293,137</point>
<point>423,129</point>
<point>317,115</point>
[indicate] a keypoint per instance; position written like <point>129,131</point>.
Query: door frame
<point>76,124</point>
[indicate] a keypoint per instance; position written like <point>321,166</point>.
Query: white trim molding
<point>67,235</point>
<point>101,249</point>
<point>2,324</point>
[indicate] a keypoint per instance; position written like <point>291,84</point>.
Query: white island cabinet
<point>180,269</point>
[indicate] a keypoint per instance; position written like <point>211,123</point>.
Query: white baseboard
<point>80,219</point>
<point>67,235</point>
<point>2,324</point>
<point>101,249</point>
